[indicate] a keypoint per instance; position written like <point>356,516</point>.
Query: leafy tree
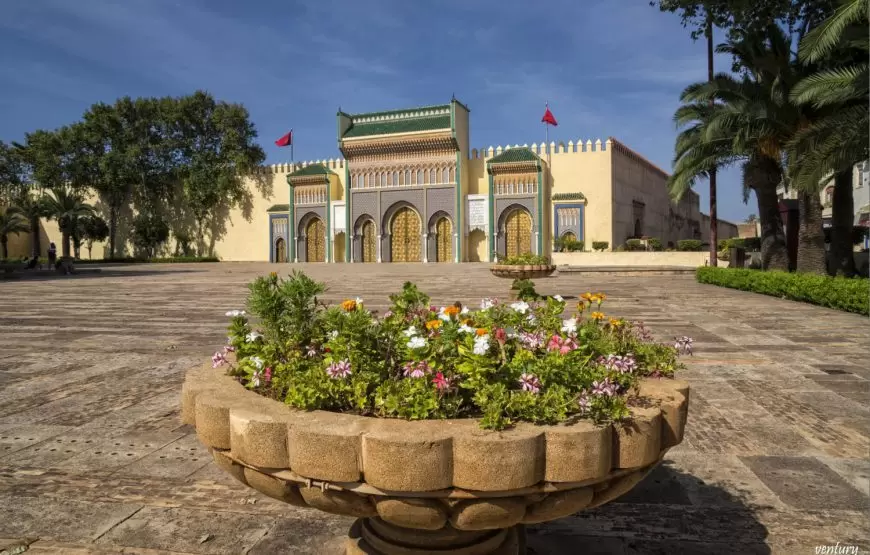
<point>12,222</point>
<point>150,230</point>
<point>92,229</point>
<point>751,219</point>
<point>66,206</point>
<point>13,179</point>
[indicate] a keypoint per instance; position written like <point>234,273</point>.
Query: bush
<point>689,245</point>
<point>168,260</point>
<point>850,295</point>
<point>654,243</point>
<point>750,244</point>
<point>525,260</point>
<point>634,245</point>
<point>568,245</point>
<point>149,232</point>
<point>600,245</point>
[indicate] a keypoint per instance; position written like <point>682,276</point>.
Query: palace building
<point>410,189</point>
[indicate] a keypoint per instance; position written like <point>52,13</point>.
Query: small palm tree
<point>12,221</point>
<point>32,208</point>
<point>66,207</point>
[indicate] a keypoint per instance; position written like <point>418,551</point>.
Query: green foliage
<point>67,206</point>
<point>150,231</point>
<point>654,243</point>
<point>563,244</point>
<point>12,222</point>
<point>634,245</point>
<point>519,362</point>
<point>525,290</point>
<point>848,294</point>
<point>525,260</point>
<point>750,244</point>
<point>155,260</point>
<point>690,245</point>
<point>600,245</point>
<point>92,229</point>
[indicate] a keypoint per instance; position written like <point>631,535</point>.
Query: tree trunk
<point>842,220</point>
<point>811,236</point>
<point>90,246</point>
<point>3,252</point>
<point>65,244</point>
<point>113,229</point>
<point>35,249</point>
<point>714,224</point>
<point>774,255</point>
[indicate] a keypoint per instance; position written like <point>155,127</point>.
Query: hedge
<point>568,245</point>
<point>600,245</point>
<point>690,245</point>
<point>748,243</point>
<point>634,245</point>
<point>848,294</point>
<point>131,260</point>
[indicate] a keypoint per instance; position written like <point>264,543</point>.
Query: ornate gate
<point>406,236</point>
<point>369,248</point>
<point>444,235</point>
<point>315,241</point>
<point>280,250</point>
<point>518,233</point>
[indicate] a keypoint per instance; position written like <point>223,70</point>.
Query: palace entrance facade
<point>369,242</point>
<point>406,236</point>
<point>315,241</point>
<point>444,240</point>
<point>518,233</point>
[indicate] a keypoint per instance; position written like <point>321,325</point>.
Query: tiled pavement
<point>93,458</point>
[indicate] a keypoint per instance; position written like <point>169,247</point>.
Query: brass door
<point>444,234</point>
<point>406,236</point>
<point>518,233</point>
<point>369,248</point>
<point>315,241</point>
<point>280,250</point>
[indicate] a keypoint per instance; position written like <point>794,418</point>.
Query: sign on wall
<point>338,215</point>
<point>477,210</point>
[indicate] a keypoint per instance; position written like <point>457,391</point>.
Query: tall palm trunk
<point>35,249</point>
<point>811,236</point>
<point>762,175</point>
<point>714,223</point>
<point>3,252</point>
<point>65,244</point>
<point>842,220</point>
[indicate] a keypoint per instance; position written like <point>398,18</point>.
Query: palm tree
<point>11,222</point>
<point>750,123</point>
<point>66,207</point>
<point>32,208</point>
<point>838,138</point>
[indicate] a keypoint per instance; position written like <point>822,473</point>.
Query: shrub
<point>573,245</point>
<point>654,243</point>
<point>525,260</point>
<point>689,245</point>
<point>748,243</point>
<point>634,245</point>
<point>841,293</point>
<point>504,363</point>
<point>149,232</point>
<point>600,245</point>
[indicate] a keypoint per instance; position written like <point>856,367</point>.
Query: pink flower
<point>583,402</point>
<point>229,349</point>
<point>563,345</point>
<point>218,359</point>
<point>441,383</point>
<point>339,369</point>
<point>605,387</point>
<point>530,382</point>
<point>532,341</point>
<point>433,308</point>
<point>416,369</point>
<point>500,335</point>
<point>387,314</point>
<point>267,375</point>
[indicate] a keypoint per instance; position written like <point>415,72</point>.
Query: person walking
<point>52,255</point>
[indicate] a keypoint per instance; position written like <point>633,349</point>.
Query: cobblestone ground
<point>93,458</point>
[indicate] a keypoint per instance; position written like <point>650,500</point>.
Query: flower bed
<point>501,363</point>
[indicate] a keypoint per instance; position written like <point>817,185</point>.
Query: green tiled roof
<point>520,154</point>
<point>399,121</point>
<point>569,196</point>
<point>313,169</point>
<point>279,208</point>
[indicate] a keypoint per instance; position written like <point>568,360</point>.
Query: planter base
<point>373,536</point>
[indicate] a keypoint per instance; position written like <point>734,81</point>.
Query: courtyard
<point>94,458</point>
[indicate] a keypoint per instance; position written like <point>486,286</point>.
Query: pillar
<point>425,240</point>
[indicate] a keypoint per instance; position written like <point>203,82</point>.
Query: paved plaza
<point>94,459</point>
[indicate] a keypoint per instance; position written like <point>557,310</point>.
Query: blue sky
<point>607,67</point>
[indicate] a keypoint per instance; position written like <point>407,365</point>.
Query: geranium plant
<point>500,362</point>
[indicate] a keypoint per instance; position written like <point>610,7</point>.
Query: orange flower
<point>451,310</point>
<point>273,274</point>
<point>597,315</point>
<point>601,296</point>
<point>433,324</point>
<point>480,331</point>
<point>468,322</point>
<point>586,297</point>
<point>614,322</point>
<point>348,305</point>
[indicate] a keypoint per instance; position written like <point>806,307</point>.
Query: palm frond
<point>822,40</point>
<point>833,86</point>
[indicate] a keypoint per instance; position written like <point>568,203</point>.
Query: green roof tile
<point>313,169</point>
<point>395,126</point>
<point>520,154</point>
<point>279,208</point>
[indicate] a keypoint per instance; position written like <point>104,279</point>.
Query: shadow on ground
<point>670,512</point>
<point>47,275</point>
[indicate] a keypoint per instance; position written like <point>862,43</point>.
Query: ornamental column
<point>379,248</point>
<point>425,247</point>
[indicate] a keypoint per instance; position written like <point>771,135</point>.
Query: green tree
<point>66,206</point>
<point>12,222</point>
<point>31,206</point>
<point>149,232</point>
<point>92,229</point>
<point>13,179</point>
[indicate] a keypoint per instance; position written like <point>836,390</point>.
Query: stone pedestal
<point>373,536</point>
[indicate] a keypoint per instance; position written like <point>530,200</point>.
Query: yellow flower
<point>615,322</point>
<point>348,305</point>
<point>433,324</point>
<point>586,297</point>
<point>601,296</point>
<point>273,275</point>
<point>597,315</point>
<point>451,310</point>
<point>480,331</point>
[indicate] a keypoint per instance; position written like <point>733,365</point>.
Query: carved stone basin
<point>513,271</point>
<point>442,486</point>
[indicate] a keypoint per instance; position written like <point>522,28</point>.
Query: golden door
<point>280,250</point>
<point>444,234</point>
<point>315,241</point>
<point>369,248</point>
<point>406,236</point>
<point>518,233</point>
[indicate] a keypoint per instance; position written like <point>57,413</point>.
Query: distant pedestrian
<point>52,255</point>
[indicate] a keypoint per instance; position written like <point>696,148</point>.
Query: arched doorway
<point>339,249</point>
<point>569,236</point>
<point>280,250</point>
<point>518,233</point>
<point>315,241</point>
<point>444,240</point>
<point>369,242</point>
<point>405,231</point>
<point>477,246</point>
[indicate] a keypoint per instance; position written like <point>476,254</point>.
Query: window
<point>829,195</point>
<point>383,180</point>
<point>407,177</point>
<point>452,175</point>
<point>432,176</point>
<point>419,180</point>
<point>395,179</point>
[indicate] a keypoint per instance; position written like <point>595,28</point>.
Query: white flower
<point>234,313</point>
<point>464,328</point>
<point>253,336</point>
<point>522,307</point>
<point>481,344</point>
<point>531,318</point>
<point>416,342</point>
<point>358,300</point>
<point>255,379</point>
<point>410,332</point>
<point>333,334</point>
<point>442,315</point>
<point>258,362</point>
<point>486,304</point>
<point>559,298</point>
<point>570,325</point>
<point>464,310</point>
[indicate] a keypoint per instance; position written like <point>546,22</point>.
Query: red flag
<point>548,117</point>
<point>286,140</point>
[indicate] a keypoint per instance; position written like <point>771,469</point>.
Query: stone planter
<point>522,272</point>
<point>437,485</point>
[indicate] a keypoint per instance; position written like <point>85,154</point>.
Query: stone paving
<point>94,459</point>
